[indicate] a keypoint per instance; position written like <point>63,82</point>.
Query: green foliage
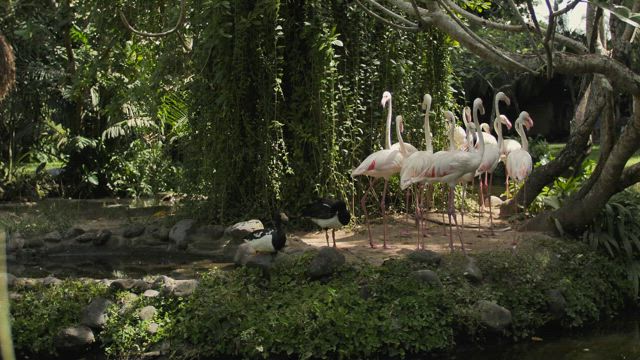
<point>127,336</point>
<point>287,103</point>
<point>42,311</point>
<point>242,314</point>
<point>40,220</point>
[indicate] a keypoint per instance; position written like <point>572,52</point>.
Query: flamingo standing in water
<point>382,164</point>
<point>519,163</point>
<point>416,163</point>
<point>449,166</point>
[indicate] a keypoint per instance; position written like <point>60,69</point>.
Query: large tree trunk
<point>587,112</point>
<point>578,212</point>
<point>7,67</point>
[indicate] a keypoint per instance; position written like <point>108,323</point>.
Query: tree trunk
<point>586,114</point>
<point>578,212</point>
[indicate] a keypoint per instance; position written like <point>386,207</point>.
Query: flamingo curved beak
<point>528,123</point>
<point>508,123</point>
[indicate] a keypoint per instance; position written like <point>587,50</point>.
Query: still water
<point>616,339</point>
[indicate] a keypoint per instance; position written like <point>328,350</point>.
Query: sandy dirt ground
<point>402,236</point>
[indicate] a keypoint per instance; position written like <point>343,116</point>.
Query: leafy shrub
<point>43,311</point>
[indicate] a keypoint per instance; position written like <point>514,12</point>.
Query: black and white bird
<point>328,214</point>
<point>269,240</point>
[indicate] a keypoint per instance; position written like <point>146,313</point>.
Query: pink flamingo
<point>519,163</point>
<point>381,164</point>
<point>449,166</point>
<point>416,163</point>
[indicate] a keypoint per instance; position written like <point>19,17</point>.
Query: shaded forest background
<point>251,104</point>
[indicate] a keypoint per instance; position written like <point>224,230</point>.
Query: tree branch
<point>385,21</point>
<point>160,34</point>
<point>630,29</point>
<point>400,18</point>
<point>534,45</point>
<point>567,8</point>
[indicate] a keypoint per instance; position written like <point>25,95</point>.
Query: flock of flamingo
<point>467,157</point>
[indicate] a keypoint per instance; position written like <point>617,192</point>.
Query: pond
<point>615,339</point>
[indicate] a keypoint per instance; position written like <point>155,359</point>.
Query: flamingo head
<point>502,96</point>
<point>426,102</point>
<point>386,96</point>
<point>505,121</point>
<point>485,127</point>
<point>527,120</point>
<point>477,104</point>
<point>449,117</point>
<point>467,115</point>
<point>400,121</point>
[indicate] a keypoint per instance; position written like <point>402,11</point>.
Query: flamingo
<point>508,146</point>
<point>409,149</point>
<point>486,132</point>
<point>417,162</point>
<point>493,150</point>
<point>449,166</point>
<point>519,163</point>
<point>381,164</point>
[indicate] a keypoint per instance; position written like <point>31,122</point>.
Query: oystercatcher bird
<point>269,240</point>
<point>328,214</point>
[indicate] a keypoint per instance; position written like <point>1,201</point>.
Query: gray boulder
<point>325,263</point>
<point>11,279</point>
<point>74,338</point>
<point>136,285</point>
<point>159,232</point>
<point>184,288</point>
<point>556,302</point>
<point>86,237</point>
<point>180,231</point>
<point>472,272</point>
<point>147,313</point>
<point>133,230</point>
<point>51,280</point>
<point>73,232</point>
<point>493,316</point>
<point>102,237</point>
<point>428,277</point>
<point>52,237</point>
<point>427,257</point>
<point>151,293</point>
<point>95,314</point>
<point>244,228</point>
<point>33,243</point>
<point>243,254</point>
<point>15,242</point>
<point>261,261</point>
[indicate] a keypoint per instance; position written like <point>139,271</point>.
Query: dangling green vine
<point>286,100</point>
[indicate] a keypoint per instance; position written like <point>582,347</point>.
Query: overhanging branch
<point>160,34</point>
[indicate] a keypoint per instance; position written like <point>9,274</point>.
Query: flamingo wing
<point>382,163</point>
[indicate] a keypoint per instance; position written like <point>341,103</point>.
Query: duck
<point>328,214</point>
<point>269,240</point>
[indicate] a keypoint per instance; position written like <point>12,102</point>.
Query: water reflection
<point>617,339</point>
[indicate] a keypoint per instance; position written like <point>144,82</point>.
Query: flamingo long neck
<point>452,129</point>
<point>523,136</point>
<point>478,131</point>
<point>403,149</point>
<point>427,131</point>
<point>387,140</point>
<point>497,127</point>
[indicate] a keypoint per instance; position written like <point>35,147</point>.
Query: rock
<point>243,254</point>
<point>163,282</point>
<point>52,237</point>
<point>556,302</point>
<point>102,237</point>
<point>137,285</point>
<point>74,338</point>
<point>180,231</point>
<point>15,296</point>
<point>73,232</point>
<point>261,261</point>
<point>11,279</point>
<point>133,230</point>
<point>325,263</point>
<point>126,302</point>
<point>243,228</point>
<point>472,272</point>
<point>428,277</point>
<point>159,232</point>
<point>151,293</point>
<point>184,288</point>
<point>152,328</point>
<point>208,233</point>
<point>147,313</point>
<point>33,243</point>
<point>15,242</point>
<point>231,247</point>
<point>95,314</point>
<point>51,280</point>
<point>493,316</point>
<point>425,257</point>
<point>87,237</point>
